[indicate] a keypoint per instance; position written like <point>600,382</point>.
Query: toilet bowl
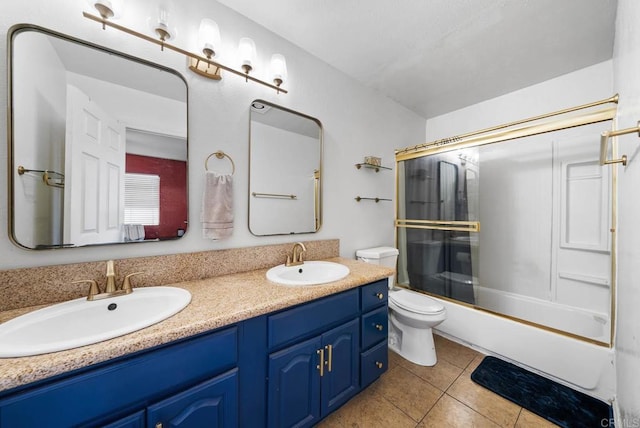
<point>412,316</point>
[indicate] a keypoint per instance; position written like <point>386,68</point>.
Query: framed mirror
<point>285,173</point>
<point>98,144</point>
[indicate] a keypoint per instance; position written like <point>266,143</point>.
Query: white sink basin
<point>81,322</point>
<point>308,273</point>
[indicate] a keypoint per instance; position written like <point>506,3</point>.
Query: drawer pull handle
<point>379,327</point>
<point>380,296</point>
<point>320,366</point>
<point>329,348</point>
<point>379,364</point>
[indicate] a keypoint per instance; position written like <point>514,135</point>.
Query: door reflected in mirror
<point>109,130</point>
<point>285,176</point>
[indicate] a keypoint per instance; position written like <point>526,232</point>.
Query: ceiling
<point>436,56</point>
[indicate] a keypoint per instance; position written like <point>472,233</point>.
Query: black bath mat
<point>556,403</point>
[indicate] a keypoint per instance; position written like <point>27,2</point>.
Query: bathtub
<point>588,324</point>
<point>579,364</point>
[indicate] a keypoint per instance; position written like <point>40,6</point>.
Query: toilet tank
<point>385,256</point>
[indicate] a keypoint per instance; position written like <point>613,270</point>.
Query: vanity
<point>245,352</point>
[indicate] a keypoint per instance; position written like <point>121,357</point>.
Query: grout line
<point>477,412</point>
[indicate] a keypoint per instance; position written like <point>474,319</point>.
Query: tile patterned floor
<point>444,395</point>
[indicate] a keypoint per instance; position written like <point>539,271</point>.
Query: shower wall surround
<point>520,342</point>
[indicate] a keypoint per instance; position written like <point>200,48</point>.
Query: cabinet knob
<point>380,296</point>
<point>379,327</point>
<point>159,425</point>
<point>379,364</point>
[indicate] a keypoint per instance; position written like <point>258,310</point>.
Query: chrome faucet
<point>297,254</point>
<point>111,287</point>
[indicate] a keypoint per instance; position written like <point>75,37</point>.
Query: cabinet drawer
<point>374,294</point>
<point>97,394</point>
<point>374,327</point>
<point>296,323</point>
<point>373,363</point>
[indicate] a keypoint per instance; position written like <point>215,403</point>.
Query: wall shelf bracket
<point>604,145</point>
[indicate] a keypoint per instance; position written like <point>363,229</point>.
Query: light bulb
<point>247,52</point>
<point>209,38</point>
<point>278,69</point>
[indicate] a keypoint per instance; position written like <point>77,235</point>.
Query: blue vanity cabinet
<point>121,391</point>
<point>288,368</point>
<point>317,374</point>
<point>374,326</point>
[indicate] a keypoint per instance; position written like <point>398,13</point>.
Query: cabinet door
<point>213,404</point>
<point>135,420</point>
<point>342,362</point>
<point>294,385</point>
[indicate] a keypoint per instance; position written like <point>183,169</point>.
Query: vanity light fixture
<point>247,53</point>
<point>108,9</point>
<point>161,26</point>
<point>209,42</point>
<point>278,68</point>
<point>209,37</point>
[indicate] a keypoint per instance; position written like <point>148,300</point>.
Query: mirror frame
<point>319,206</point>
<point>11,34</point>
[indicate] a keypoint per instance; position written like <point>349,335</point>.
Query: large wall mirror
<point>285,155</point>
<point>98,144</point>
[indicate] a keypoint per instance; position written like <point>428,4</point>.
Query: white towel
<point>217,206</point>
<point>133,232</point>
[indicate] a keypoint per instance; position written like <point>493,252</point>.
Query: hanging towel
<point>217,206</point>
<point>133,232</point>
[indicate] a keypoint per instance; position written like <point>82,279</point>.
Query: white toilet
<point>412,315</point>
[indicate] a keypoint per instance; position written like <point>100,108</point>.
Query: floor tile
<point>450,413</point>
<point>394,360</point>
<point>502,411</point>
<point>528,419</point>
<point>475,363</point>
<point>410,393</point>
<point>442,375</point>
<point>455,353</point>
<point>368,410</point>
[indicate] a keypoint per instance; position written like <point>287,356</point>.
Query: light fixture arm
<point>164,45</point>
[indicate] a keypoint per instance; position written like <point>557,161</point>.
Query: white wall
<point>626,64</point>
<point>43,126</point>
<point>356,121</point>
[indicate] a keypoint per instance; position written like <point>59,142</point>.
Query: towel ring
<point>220,154</point>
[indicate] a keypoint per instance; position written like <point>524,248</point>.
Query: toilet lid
<point>415,302</point>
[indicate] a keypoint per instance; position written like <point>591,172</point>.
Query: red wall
<point>173,193</point>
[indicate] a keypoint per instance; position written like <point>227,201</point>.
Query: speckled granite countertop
<point>215,302</point>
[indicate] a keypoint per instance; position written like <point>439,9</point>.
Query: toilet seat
<point>415,302</point>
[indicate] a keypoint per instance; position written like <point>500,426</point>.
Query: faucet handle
<point>126,284</point>
<point>93,288</point>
